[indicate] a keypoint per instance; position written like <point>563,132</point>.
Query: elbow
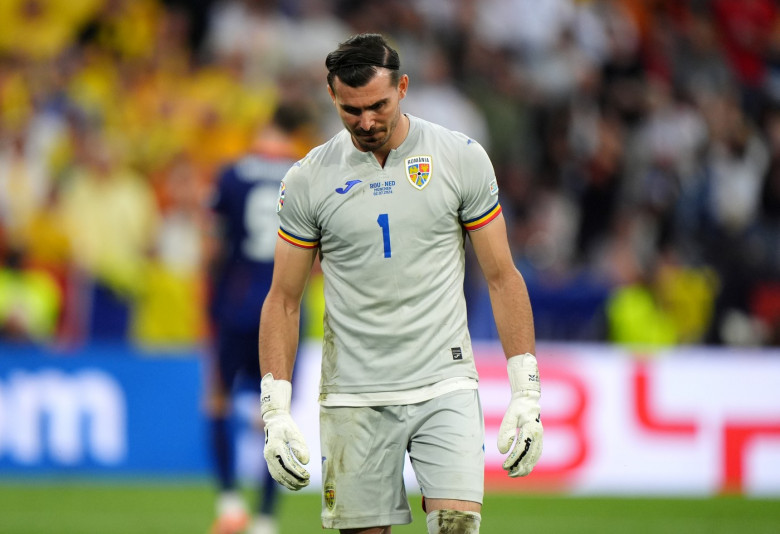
<point>281,304</point>
<point>505,279</point>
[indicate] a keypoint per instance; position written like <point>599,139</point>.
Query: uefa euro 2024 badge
<point>280,200</point>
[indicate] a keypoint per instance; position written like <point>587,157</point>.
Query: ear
<point>332,94</point>
<point>403,85</point>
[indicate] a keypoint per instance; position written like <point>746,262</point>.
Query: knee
<point>453,522</point>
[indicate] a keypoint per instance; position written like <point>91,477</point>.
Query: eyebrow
<point>375,105</point>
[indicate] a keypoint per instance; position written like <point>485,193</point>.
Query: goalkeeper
<point>387,204</point>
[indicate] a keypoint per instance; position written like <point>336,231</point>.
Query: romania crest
<point>330,495</point>
<point>418,170</point>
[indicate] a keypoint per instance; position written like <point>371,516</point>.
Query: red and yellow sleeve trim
<point>298,241</point>
<point>482,220</point>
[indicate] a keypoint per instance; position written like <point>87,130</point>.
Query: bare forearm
<point>513,315</point>
<point>278,337</point>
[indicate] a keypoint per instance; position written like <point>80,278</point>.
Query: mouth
<point>370,139</point>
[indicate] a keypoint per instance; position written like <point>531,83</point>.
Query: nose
<point>366,121</point>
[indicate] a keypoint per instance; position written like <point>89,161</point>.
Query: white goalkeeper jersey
<point>392,252</point>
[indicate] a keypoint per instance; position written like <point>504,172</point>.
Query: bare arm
<point>508,292</point>
<point>280,317</point>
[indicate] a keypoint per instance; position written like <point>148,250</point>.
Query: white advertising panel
<point>685,422</point>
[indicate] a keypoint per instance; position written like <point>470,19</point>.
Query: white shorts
<point>364,448</point>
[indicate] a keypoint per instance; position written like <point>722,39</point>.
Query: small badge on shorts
<point>330,495</point>
<point>457,354</point>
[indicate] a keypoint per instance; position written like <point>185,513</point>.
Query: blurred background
<point>636,145</point>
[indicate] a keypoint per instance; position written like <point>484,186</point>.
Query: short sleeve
<point>296,221</point>
<point>479,204</point>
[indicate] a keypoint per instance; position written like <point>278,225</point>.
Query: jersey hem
<point>396,398</point>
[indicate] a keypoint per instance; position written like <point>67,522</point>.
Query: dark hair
<point>290,116</point>
<point>356,60</point>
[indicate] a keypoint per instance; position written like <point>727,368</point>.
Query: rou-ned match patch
<point>419,170</point>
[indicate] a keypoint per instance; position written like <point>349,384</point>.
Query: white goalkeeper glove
<point>285,448</point>
<point>522,424</point>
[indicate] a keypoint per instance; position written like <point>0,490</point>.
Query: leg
<point>221,437</point>
<point>221,373</point>
<point>451,516</point>
<point>363,451</point>
<point>432,505</point>
<point>268,493</point>
<point>232,515</point>
<point>264,521</point>
<point>448,457</point>
<point>269,489</point>
<point>247,380</point>
<point>453,522</point>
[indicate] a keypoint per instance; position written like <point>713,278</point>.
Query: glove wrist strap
<point>523,373</point>
<point>275,395</point>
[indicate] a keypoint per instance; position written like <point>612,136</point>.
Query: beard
<point>370,141</point>
<point>373,140</point>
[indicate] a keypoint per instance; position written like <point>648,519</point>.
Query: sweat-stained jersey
<point>392,253</point>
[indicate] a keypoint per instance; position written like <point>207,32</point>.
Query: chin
<point>368,143</point>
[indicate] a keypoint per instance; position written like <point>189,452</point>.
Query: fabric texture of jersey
<point>392,251</point>
<point>245,203</point>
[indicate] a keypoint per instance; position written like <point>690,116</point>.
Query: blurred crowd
<point>636,145</point>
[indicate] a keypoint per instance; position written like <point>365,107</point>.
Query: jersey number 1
<point>384,223</point>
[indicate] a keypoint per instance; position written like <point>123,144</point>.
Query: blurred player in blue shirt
<point>244,235</point>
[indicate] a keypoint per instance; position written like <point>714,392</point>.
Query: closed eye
<point>358,111</point>
<point>351,110</point>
